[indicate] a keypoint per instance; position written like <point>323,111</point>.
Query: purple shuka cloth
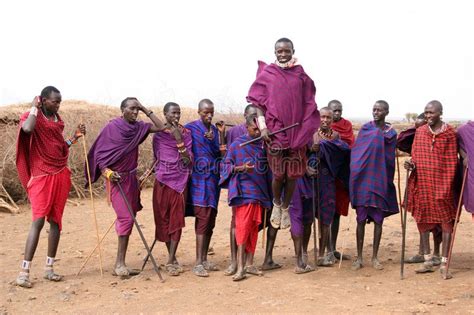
<point>372,170</point>
<point>334,161</point>
<point>405,140</point>
<point>245,188</point>
<point>116,148</point>
<point>466,142</point>
<point>235,132</point>
<point>203,188</point>
<point>286,96</point>
<point>170,170</point>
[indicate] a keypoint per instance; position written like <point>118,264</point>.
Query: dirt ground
<point>326,290</point>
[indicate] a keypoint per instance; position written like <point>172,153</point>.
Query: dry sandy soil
<point>331,290</point>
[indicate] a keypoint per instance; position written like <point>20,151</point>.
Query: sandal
<point>436,261</point>
<point>253,270</point>
<point>426,267</point>
<point>124,272</point>
<point>325,261</point>
<point>332,257</point>
<point>171,269</point>
<point>271,266</point>
<point>209,266</point>
<point>178,267</point>
<point>376,264</point>
<point>51,276</point>
<point>357,264</point>
<point>23,280</point>
<point>337,255</point>
<point>239,276</point>
<point>275,218</point>
<point>445,273</point>
<point>285,218</point>
<point>306,269</point>
<point>199,271</point>
<point>230,271</point>
<point>415,259</point>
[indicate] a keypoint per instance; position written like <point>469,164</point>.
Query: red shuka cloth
<point>247,219</point>
<point>344,128</point>
<point>431,184</point>
<point>44,151</point>
<point>41,161</point>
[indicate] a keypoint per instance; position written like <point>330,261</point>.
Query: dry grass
<point>73,112</point>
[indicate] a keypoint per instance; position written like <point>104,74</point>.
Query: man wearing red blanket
<point>41,160</point>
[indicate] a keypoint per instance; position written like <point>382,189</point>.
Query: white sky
<point>406,52</point>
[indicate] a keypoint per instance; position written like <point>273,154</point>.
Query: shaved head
<point>383,103</point>
<point>204,102</point>
<point>437,105</point>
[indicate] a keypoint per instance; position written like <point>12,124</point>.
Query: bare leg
<point>122,251</point>
<point>426,251</point>
<point>298,243</point>
<point>357,264</point>
<point>240,274</point>
<point>199,248</point>
<point>377,237</point>
<point>277,189</point>
<point>306,237</point>
<point>172,248</point>
<point>334,232</point>
<point>446,243</point>
<point>290,186</point>
<point>438,239</point>
<point>447,237</point>
<point>233,254</point>
<point>53,239</point>
<point>33,238</point>
<point>268,262</point>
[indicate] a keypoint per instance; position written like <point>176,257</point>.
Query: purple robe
<point>405,140</point>
<point>372,171</point>
<point>286,96</point>
<point>203,188</point>
<point>245,188</point>
<point>116,148</point>
<point>170,169</point>
<point>235,132</point>
<point>466,142</point>
<point>334,160</point>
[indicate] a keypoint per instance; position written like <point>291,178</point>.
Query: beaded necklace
<point>435,133</point>
<point>325,135</point>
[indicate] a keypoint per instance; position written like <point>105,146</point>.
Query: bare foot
<point>357,264</point>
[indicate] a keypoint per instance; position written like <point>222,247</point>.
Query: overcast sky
<point>406,52</point>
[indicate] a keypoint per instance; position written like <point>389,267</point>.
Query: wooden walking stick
<point>129,208</point>
<point>147,174</point>
<point>404,227</point>
<point>344,238</point>
<point>399,187</point>
<point>271,134</point>
<point>458,214</point>
<point>96,246</point>
<point>145,260</point>
<point>86,159</point>
<point>264,227</point>
<point>316,199</point>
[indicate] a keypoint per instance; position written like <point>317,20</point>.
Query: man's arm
<point>158,125</point>
<point>30,122</point>
<point>183,151</point>
<point>264,132</point>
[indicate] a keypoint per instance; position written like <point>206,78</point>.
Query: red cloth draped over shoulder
<point>431,185</point>
<point>44,151</point>
<point>344,128</point>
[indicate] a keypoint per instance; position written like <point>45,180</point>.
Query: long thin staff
<point>315,198</point>
<point>399,187</point>
<point>145,260</point>
<point>404,227</point>
<point>271,134</point>
<point>96,246</point>
<point>264,227</point>
<point>92,201</point>
<point>147,174</point>
<point>458,213</point>
<point>127,203</point>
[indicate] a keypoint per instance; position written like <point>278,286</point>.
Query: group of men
<point>287,166</point>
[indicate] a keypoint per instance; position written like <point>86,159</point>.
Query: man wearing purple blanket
<point>114,155</point>
<point>371,187</point>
